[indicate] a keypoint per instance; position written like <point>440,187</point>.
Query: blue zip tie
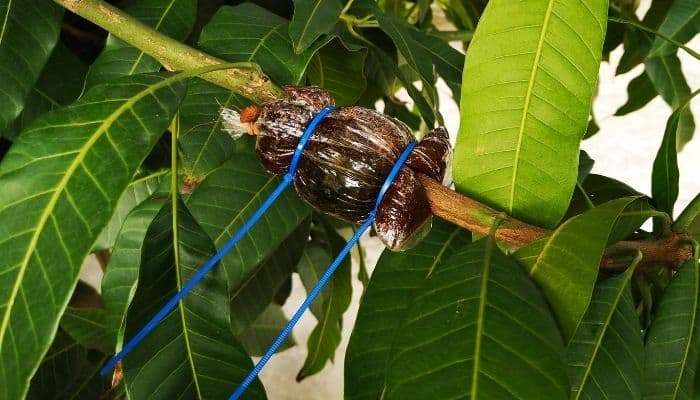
<point>325,278</point>
<point>168,307</point>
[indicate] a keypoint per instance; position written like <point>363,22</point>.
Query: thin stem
<point>174,129</point>
<point>366,22</point>
<point>661,35</point>
<point>246,80</point>
<point>347,7</point>
<point>688,215</point>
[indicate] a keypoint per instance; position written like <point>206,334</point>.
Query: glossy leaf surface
<point>23,51</point>
<point>664,173</point>
<point>681,23</point>
<point>666,75</point>
<point>640,92</point>
<point>87,327</point>
<point>671,349</point>
<point>257,292</point>
<point>69,371</point>
<point>138,190</point>
<point>385,303</point>
<point>481,328</point>
<point>58,194</point>
<point>248,32</point>
<point>312,18</point>
<point>606,354</point>
<point>259,335</point>
<point>203,145</point>
<point>228,197</point>
<point>192,352</point>
<point>330,306</point>
<point>60,83</point>
<point>119,281</point>
<point>423,53</point>
<point>565,263</point>
<point>339,71</point>
<point>530,74</point>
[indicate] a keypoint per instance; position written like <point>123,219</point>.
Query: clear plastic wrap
<point>347,159</point>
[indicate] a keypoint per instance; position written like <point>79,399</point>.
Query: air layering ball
<point>347,159</point>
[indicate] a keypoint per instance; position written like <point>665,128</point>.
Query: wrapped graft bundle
<point>347,160</point>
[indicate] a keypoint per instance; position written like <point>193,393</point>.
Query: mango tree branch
<point>669,250</point>
<point>248,81</point>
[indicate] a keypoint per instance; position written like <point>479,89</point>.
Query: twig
<point>669,250</point>
<point>477,217</point>
<point>247,81</point>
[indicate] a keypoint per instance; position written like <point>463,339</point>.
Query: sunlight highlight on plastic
<point>325,278</point>
<point>168,307</point>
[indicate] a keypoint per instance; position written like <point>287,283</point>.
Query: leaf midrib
<point>528,97</point>
<point>306,26</point>
<point>480,315</point>
<point>680,26</point>
<point>62,184</point>
<point>245,207</point>
<point>324,324</point>
<point>178,270</point>
<point>684,360</point>
<point>599,339</point>
<point>4,21</point>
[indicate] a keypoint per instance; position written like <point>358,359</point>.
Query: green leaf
<point>339,71</point>
<point>311,19</point>
<point>481,327</point>
<point>259,335</point>
<point>681,24</point>
<point>386,66</point>
<point>671,350</point>
<point>313,263</point>
<point>174,18</point>
<point>136,192</point>
<point>248,32</point>
<point>229,196</point>
<point>635,50</point>
<point>664,173</point>
<point>606,354</point>
<point>119,281</point>
<point>666,75</point>
<point>599,189</point>
<point>384,305</point>
<point>59,84</point>
<point>336,297</point>
<point>203,145</point>
<point>424,53</point>
<point>58,195</point>
<point>252,296</point>
<point>28,32</point>
<point>530,74</point>
<point>87,327</point>
<point>640,92</point>
<point>585,165</point>
<point>565,263</point>
<point>69,371</point>
<point>192,352</point>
